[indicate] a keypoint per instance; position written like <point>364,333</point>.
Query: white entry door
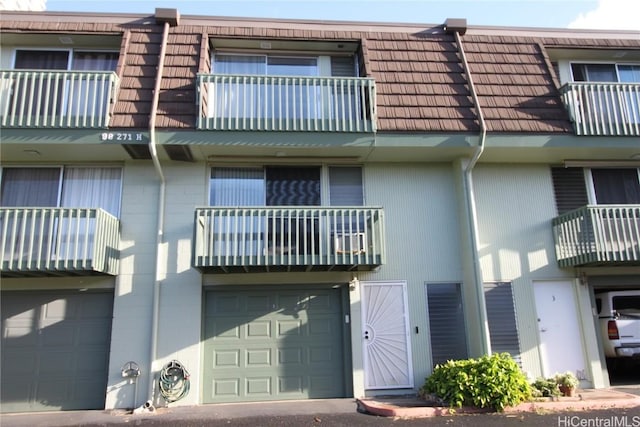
<point>385,336</point>
<point>559,329</point>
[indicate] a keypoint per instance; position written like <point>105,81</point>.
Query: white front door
<point>385,336</point>
<point>559,329</point>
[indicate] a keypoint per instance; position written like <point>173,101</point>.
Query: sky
<point>583,14</point>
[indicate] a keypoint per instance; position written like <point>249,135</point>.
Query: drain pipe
<point>169,17</point>
<point>458,27</point>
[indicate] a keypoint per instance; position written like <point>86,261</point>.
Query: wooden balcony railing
<point>250,239</point>
<point>281,103</point>
<point>56,99</point>
<point>58,241</point>
<point>598,235</point>
<point>610,109</point>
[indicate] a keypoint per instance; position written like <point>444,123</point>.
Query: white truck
<point>619,319</point>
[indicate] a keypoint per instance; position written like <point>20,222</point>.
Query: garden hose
<point>174,381</point>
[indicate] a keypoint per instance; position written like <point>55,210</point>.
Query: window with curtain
<point>237,187</point>
<point>71,233</point>
<point>254,97</point>
<point>37,86</point>
<point>625,104</point>
<point>264,186</point>
<point>73,187</point>
<point>74,95</point>
<point>30,187</point>
<point>616,186</point>
<point>92,188</point>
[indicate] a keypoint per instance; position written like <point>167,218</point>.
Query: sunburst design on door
<point>386,351</point>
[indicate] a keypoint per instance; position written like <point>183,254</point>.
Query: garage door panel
<point>258,387</point>
<point>259,357</point>
<point>258,304</point>
<point>86,333</point>
<point>19,362</point>
<point>277,352</point>
<point>55,350</point>
<point>226,329</point>
<point>226,359</point>
<point>289,327</point>
<point>58,362</point>
<point>226,389</point>
<point>290,356</point>
<point>53,335</point>
<point>56,311</point>
<point>259,329</point>
<point>290,384</point>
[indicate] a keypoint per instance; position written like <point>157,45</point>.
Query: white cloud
<point>32,5</point>
<point>610,15</point>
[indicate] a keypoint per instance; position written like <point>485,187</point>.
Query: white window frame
<point>591,190</point>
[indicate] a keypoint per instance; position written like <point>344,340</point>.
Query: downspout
<point>457,27</point>
<point>170,18</point>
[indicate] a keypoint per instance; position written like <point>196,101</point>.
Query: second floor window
<point>76,88</point>
<point>70,187</point>
<point>623,73</point>
<point>65,60</point>
<point>265,65</point>
<point>273,91</point>
<point>615,186</point>
<point>285,186</point>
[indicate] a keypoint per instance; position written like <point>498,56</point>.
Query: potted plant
<point>567,383</point>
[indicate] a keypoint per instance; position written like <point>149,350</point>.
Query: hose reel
<point>174,381</point>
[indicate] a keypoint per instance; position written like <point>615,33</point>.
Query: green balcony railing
<point>253,239</point>
<point>56,99</point>
<point>58,241</point>
<point>598,235</point>
<point>609,109</point>
<point>286,103</point>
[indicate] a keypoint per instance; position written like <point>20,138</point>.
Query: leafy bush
<point>545,387</point>
<point>494,381</point>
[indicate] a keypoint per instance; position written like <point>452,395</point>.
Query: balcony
<point>56,99</point>
<point>607,109</point>
<point>598,235</point>
<point>265,239</point>
<point>280,103</point>
<point>58,242</point>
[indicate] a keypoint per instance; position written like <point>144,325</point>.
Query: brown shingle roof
<point>420,81</point>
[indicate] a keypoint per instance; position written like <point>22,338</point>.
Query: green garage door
<point>55,350</point>
<point>275,344</point>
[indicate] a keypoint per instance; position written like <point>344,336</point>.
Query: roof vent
<point>172,16</point>
<point>179,152</point>
<point>137,151</point>
<point>455,25</point>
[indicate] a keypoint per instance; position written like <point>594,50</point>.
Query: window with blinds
<point>569,188</point>
<point>446,322</point>
<point>501,315</point>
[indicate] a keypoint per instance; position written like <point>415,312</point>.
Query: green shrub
<point>545,387</point>
<point>494,381</point>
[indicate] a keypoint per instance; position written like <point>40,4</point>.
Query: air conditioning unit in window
<point>350,243</point>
